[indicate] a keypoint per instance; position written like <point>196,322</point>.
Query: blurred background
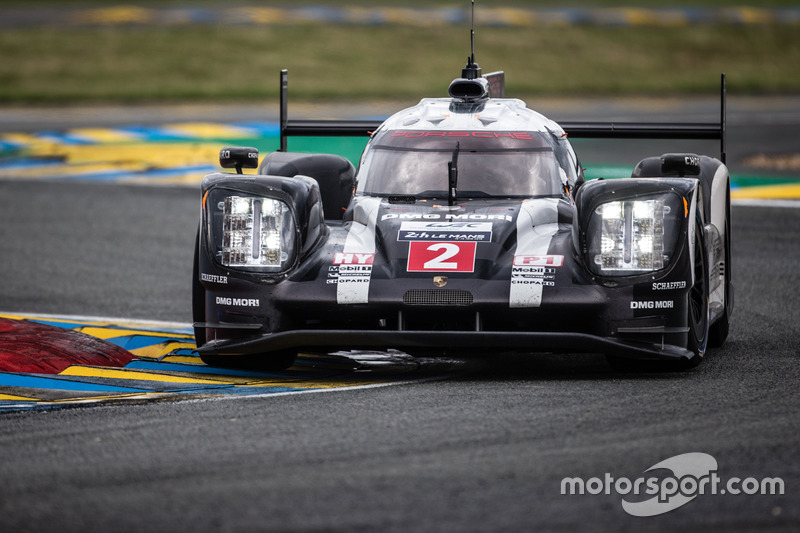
<point>60,52</point>
<point>176,79</point>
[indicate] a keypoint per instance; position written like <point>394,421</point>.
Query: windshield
<point>415,163</point>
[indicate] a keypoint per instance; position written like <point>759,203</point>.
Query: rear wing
<point>579,130</point>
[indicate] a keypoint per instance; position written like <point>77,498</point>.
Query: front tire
<point>198,296</point>
<point>280,360</point>
<point>698,319</point>
<point>718,332</point>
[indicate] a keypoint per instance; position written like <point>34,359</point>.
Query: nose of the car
<point>420,243</point>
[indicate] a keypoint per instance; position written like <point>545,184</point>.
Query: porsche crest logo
<point>440,281</point>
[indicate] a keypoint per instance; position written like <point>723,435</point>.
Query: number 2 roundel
<point>427,256</point>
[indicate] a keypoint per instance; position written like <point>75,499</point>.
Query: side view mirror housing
<point>238,157</point>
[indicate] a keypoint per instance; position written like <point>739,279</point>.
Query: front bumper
<point>457,342</point>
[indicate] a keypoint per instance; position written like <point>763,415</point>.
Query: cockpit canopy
<point>489,163</point>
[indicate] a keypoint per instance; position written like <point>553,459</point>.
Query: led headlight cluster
<point>633,236</point>
<point>256,233</point>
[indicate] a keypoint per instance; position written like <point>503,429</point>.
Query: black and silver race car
<point>467,227</point>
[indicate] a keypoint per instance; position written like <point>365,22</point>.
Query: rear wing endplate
<point>580,130</point>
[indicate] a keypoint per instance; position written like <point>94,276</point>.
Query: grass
<point>215,63</point>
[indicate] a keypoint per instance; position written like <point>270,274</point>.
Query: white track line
<point>754,202</point>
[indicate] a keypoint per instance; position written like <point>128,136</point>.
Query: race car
<point>467,227</point>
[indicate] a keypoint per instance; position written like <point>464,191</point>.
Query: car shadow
<point>561,366</point>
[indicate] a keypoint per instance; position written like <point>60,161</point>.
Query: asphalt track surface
<point>484,450</point>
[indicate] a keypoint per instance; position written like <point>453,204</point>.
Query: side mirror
<point>238,157</point>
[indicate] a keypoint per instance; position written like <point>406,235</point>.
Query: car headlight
<point>634,236</point>
<point>255,233</point>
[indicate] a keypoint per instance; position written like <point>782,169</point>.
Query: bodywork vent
<point>437,297</point>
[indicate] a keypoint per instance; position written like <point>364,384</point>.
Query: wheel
<point>718,331</point>
<point>698,300</point>
<point>279,360</point>
<point>198,296</point>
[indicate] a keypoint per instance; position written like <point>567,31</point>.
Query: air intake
<point>437,297</point>
<point>466,89</point>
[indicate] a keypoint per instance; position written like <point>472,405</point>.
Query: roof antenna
<point>472,70</point>
<point>471,86</point>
